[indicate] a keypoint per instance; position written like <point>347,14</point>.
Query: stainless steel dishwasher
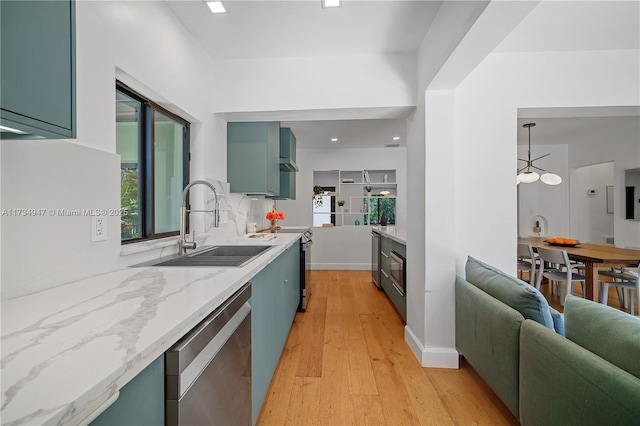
<point>208,371</point>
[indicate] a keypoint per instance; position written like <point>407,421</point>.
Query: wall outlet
<point>98,228</point>
<point>224,217</point>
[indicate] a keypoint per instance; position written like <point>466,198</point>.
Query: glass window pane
<point>128,112</point>
<point>387,206</point>
<point>168,172</point>
<point>320,207</point>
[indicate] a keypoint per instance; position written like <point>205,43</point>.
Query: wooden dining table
<point>594,256</point>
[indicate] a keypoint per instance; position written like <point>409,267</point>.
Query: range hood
<point>288,165</point>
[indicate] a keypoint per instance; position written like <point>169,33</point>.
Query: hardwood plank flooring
<point>346,363</point>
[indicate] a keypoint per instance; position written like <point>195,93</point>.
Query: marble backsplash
<point>236,210</point>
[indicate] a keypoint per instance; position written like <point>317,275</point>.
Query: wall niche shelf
<point>350,186</point>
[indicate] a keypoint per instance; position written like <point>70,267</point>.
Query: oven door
<point>396,262</point>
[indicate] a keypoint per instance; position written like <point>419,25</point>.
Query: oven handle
<point>396,287</point>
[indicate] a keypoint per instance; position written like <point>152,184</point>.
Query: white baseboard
<point>341,266</point>
<point>432,356</point>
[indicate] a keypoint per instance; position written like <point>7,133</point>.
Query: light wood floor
<point>346,363</point>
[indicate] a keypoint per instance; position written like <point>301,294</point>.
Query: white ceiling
<point>269,29</point>
<point>302,28</point>
<point>350,133</point>
<point>299,28</point>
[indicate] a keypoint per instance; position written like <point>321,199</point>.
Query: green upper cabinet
<point>37,69</point>
<point>253,157</point>
<point>288,166</point>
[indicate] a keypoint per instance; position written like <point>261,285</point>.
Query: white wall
<point>331,250</point>
<point>285,84</point>
<point>590,221</point>
<point>549,201</point>
<point>592,140</point>
<point>484,113</point>
<point>486,107</point>
<point>145,45</point>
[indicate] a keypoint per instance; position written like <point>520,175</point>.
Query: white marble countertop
<point>68,349</point>
<point>393,232</point>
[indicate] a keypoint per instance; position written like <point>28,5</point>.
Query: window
<point>325,204</point>
<point>153,145</point>
<point>380,205</point>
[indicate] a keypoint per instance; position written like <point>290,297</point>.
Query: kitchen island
<point>68,350</point>
<point>392,257</point>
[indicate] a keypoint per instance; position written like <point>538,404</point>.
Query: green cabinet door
<point>253,157</point>
<point>141,401</point>
<point>37,68</point>
<point>274,301</point>
<point>399,301</point>
<point>288,157</point>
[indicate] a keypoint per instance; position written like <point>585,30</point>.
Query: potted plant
<point>341,205</point>
<point>318,191</point>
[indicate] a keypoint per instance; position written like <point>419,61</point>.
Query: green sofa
<point>516,342</point>
<point>490,309</point>
<point>591,377</point>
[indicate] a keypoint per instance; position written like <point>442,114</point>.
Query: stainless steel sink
<point>230,255</point>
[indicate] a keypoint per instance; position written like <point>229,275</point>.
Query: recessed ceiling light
<point>396,138</point>
<point>330,3</point>
<point>334,140</point>
<point>216,7</point>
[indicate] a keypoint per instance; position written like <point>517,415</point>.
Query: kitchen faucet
<point>183,244</point>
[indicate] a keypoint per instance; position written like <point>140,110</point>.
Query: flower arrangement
<point>274,216</point>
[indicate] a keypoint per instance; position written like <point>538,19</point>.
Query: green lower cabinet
<point>274,302</point>
<point>399,300</point>
<point>141,401</point>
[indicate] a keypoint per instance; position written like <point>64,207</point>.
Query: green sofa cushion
<point>609,333</point>
<point>511,291</point>
<point>562,383</point>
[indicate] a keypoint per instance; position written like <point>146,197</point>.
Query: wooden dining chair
<point>623,279</point>
<point>560,271</point>
<point>527,262</point>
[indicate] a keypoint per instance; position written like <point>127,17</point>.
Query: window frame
<point>146,161</point>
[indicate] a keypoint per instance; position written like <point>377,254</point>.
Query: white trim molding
<point>432,356</point>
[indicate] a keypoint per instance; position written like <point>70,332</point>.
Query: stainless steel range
<point>305,262</point>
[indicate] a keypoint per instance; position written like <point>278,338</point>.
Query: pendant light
<point>526,175</point>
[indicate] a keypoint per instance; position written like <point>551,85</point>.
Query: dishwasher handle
<point>185,359</point>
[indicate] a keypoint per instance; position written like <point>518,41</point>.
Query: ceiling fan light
<point>528,177</point>
<point>551,178</point>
